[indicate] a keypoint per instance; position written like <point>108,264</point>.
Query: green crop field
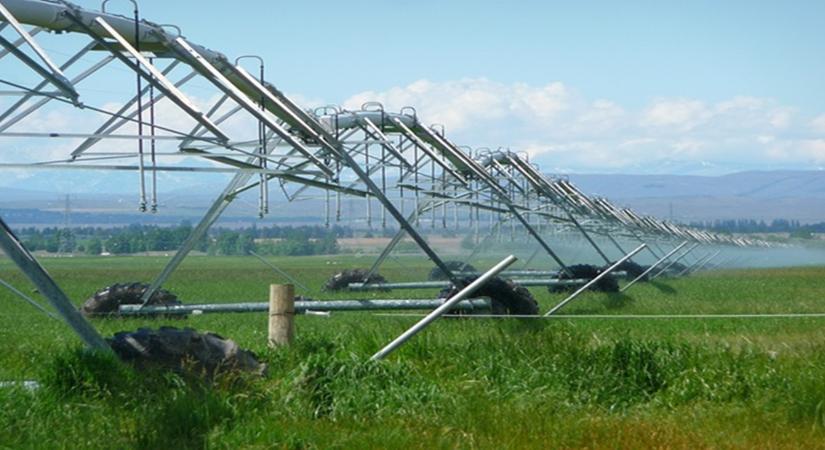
<point>462,383</point>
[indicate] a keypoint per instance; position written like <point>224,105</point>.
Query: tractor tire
<point>506,297</point>
<point>587,272</point>
<point>106,301</point>
<point>183,350</point>
<point>632,270</point>
<point>341,280</point>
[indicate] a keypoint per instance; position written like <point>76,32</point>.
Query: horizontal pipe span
<point>302,306</point>
<point>625,316</point>
<point>532,273</point>
<point>446,284</point>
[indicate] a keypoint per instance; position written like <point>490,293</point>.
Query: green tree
<point>119,244</point>
<point>244,244</point>
<point>328,245</point>
<point>94,246</point>
<point>52,244</point>
<point>226,243</point>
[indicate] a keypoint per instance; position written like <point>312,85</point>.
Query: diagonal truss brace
<point>120,118</point>
<point>51,72</point>
<point>39,103</point>
<point>25,98</point>
<point>220,81</point>
<point>32,32</point>
<point>146,70</point>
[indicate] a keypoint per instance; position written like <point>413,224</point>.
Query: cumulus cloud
<point>563,128</point>
<point>681,114</point>
<point>818,124</point>
<point>463,104</point>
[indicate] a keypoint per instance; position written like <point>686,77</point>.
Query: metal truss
<point>403,170</point>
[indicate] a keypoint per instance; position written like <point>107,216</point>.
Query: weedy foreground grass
<point>467,383</point>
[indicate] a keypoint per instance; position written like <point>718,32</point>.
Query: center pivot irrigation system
<point>156,103</point>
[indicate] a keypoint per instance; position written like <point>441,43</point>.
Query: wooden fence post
<point>281,314</point>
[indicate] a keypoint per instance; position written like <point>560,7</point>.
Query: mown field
<point>463,383</point>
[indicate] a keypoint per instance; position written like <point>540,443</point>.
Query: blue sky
<point>699,87</point>
<point>710,64</point>
<point>629,52</point>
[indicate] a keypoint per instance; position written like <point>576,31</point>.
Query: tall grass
<point>461,383</point>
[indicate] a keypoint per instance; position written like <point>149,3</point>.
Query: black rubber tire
<point>632,270</point>
<point>456,266</point>
<point>183,350</point>
<point>106,301</point>
<point>587,272</point>
<point>341,280</point>
<point>506,297</point>
<point>674,269</point>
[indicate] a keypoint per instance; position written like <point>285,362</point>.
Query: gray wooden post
<point>281,314</point>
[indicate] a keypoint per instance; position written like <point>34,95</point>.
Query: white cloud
<point>818,124</point>
<point>681,114</point>
<point>815,149</point>
<point>560,127</point>
<point>463,104</point>
<point>781,118</point>
<point>557,125</point>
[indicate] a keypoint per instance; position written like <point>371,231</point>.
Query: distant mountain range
<point>758,185</point>
<point>759,195</point>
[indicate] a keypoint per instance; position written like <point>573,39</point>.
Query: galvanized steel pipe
<point>302,306</point>
<point>455,299</point>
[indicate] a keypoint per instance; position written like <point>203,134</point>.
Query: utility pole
<point>65,242</point>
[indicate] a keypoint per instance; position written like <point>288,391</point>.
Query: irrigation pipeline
<point>622,316</point>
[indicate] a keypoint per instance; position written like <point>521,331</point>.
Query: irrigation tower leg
<point>704,264</point>
<point>396,239</point>
<point>587,237</point>
<point>686,252</point>
<point>615,243</point>
<point>656,264</point>
<point>424,207</point>
<point>396,214</point>
<point>691,268</point>
<point>218,206</point>
<point>449,303</point>
<point>595,280</point>
<point>27,299</point>
<point>215,211</point>
<point>530,259</point>
<point>538,238</point>
<point>24,260</point>
<point>642,241</point>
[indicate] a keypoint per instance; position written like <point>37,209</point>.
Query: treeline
<point>753,226</point>
<point>273,240</point>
